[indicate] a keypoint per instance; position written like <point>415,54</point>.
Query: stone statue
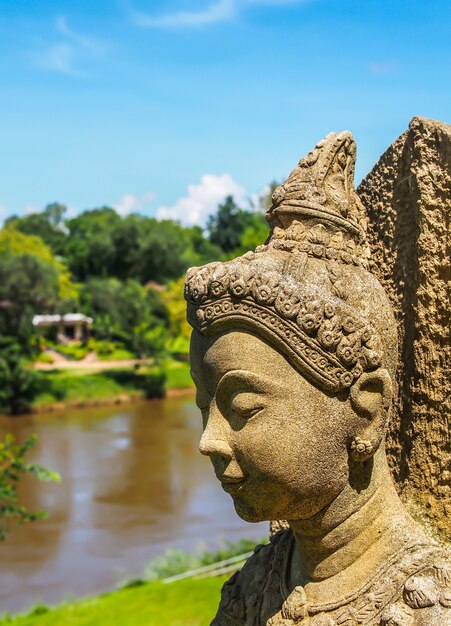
<point>293,354</point>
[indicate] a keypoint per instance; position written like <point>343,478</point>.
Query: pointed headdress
<point>300,290</point>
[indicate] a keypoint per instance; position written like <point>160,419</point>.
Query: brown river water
<point>133,486</point>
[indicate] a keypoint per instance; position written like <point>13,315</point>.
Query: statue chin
<point>247,513</point>
<point>294,354</point>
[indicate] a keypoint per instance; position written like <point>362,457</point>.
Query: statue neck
<point>344,543</point>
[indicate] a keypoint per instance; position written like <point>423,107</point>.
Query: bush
<point>73,352</point>
<point>18,383</point>
<point>153,383</point>
<point>75,388</point>
<point>102,348</point>
<point>43,357</point>
<point>175,562</point>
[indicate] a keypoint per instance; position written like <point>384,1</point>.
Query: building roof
<point>68,318</point>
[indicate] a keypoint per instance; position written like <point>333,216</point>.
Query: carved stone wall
<point>408,197</point>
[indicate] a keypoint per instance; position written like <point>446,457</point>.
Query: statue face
<point>277,443</point>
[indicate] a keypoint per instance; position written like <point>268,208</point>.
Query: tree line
<point>123,271</point>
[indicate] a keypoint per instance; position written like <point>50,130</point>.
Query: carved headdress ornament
<point>321,186</point>
<point>299,290</point>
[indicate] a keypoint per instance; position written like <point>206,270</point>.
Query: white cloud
<point>219,11</point>
<point>129,203</point>
<point>66,55</point>
<point>203,199</point>
<point>385,67</point>
<point>59,58</point>
<point>71,212</point>
<point>88,43</point>
<point>255,198</point>
<point>29,209</point>
<point>275,3</point>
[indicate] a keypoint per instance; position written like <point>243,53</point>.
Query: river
<point>133,486</point>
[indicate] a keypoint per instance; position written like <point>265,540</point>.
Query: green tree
<point>89,249</point>
<point>161,252</point>
<point>101,243</point>
<point>127,238</point>
<point>27,287</point>
<point>201,250</point>
<point>227,225</point>
<point>124,312</point>
<point>18,383</point>
<point>32,282</point>
<point>12,468</point>
<point>48,225</point>
<point>236,231</point>
<point>14,243</point>
<point>255,234</point>
<point>179,329</point>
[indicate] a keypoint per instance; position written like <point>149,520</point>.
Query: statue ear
<point>371,393</point>
<point>370,397</point>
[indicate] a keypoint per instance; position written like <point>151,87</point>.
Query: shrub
<point>73,352</point>
<point>153,383</point>
<point>18,383</point>
<point>175,562</point>
<point>43,357</point>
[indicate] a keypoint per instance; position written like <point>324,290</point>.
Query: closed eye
<point>246,405</point>
<point>248,413</point>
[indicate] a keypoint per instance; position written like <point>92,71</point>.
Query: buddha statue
<point>293,355</point>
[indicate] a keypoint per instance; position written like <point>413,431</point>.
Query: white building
<point>71,328</point>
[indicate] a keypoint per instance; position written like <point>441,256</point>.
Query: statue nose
<point>214,447</point>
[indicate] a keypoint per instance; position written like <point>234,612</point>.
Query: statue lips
<point>231,484</point>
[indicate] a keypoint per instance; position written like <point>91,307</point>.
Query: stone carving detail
<point>361,450</point>
<point>294,356</point>
<point>407,198</point>
<point>321,186</point>
<point>376,603</point>
<point>397,615</point>
<point>332,342</point>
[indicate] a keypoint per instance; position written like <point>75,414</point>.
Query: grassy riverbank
<point>183,603</point>
<point>82,387</point>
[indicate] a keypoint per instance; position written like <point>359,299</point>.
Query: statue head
<point>294,349</point>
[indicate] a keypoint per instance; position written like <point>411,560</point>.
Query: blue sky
<point>165,107</point>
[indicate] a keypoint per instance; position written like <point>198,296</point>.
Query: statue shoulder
<point>426,595</point>
<point>242,594</point>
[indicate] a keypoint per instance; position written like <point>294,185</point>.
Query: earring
<point>361,449</point>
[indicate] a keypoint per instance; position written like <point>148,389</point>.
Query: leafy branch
<point>12,468</point>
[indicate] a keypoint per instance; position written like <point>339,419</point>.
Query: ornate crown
<point>293,291</point>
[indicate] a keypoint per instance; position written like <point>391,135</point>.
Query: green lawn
<point>61,386</point>
<point>82,385</point>
<point>178,376</point>
<point>183,603</point>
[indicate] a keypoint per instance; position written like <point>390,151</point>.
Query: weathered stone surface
<point>408,201</point>
<point>294,356</point>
